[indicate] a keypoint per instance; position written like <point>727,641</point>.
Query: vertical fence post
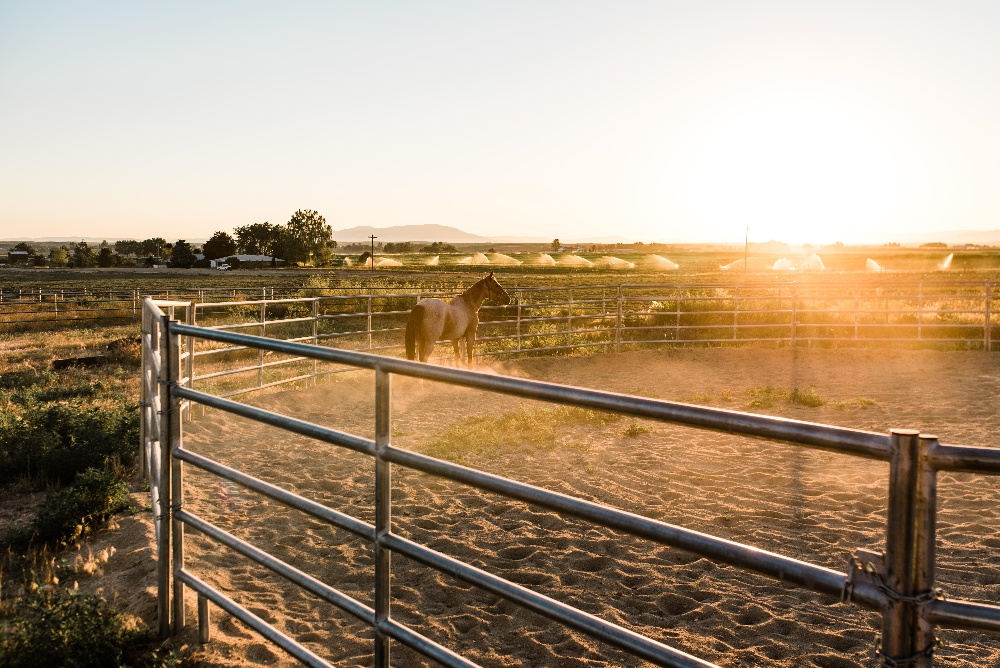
<point>619,323</point>
<point>190,319</point>
<point>176,489</point>
<point>369,323</point>
<point>908,568</point>
<point>162,513</point>
<point>144,399</point>
<point>988,334</point>
<point>794,295</point>
<point>926,529</point>
<point>204,627</point>
<point>569,320</point>
<point>604,312</point>
<point>920,310</point>
<point>315,316</point>
<point>677,313</point>
<point>736,310</point>
<point>260,353</point>
<point>519,320</point>
<point>383,514</point>
<point>857,304</point>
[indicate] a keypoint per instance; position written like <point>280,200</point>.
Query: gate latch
<point>862,566</point>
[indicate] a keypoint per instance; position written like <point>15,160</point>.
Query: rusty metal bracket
<point>863,566</point>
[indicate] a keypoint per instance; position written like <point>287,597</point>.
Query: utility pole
<point>746,250</point>
<point>373,238</point>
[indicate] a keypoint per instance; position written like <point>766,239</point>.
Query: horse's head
<point>495,291</point>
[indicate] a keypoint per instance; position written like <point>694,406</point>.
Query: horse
<point>433,319</point>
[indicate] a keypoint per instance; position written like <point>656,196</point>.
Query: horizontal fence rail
<point>898,584</point>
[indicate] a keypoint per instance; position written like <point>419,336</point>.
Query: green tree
<point>220,245</point>
<point>59,257</point>
<point>154,247</point>
<point>182,255</point>
<point>83,256</point>
<point>259,239</point>
<point>105,258</point>
<point>128,247</point>
<point>24,246</point>
<point>308,238</point>
<point>439,247</point>
<point>555,244</point>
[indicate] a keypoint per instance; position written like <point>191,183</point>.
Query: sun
<point>794,171</point>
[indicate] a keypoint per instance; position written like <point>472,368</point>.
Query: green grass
<point>526,429</point>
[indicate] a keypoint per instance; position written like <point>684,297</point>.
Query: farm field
<point>812,505</point>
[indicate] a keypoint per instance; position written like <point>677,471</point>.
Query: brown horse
<point>432,320</point>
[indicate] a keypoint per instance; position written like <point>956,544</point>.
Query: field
<point>822,505</point>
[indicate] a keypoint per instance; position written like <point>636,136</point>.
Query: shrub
<point>52,628</point>
<point>57,441</point>
<point>82,508</point>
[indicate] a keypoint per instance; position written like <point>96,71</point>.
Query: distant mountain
<point>452,235</point>
<point>399,233</point>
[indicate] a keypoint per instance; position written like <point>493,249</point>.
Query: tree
<point>233,262</point>
<point>556,245</point>
<point>259,239</point>
<point>128,247</point>
<point>309,238</point>
<point>105,258</point>
<point>155,247</point>
<point>59,257</point>
<point>400,247</point>
<point>182,255</point>
<point>439,247</point>
<point>83,256</point>
<point>24,246</point>
<point>220,245</point>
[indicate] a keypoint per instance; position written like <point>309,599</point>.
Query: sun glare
<point>794,172</point>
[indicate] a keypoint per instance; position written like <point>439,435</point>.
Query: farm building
<point>250,261</point>
<point>18,257</point>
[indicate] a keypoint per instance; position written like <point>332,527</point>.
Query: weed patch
<point>56,441</point>
<point>52,628</point>
<point>82,508</point>
<point>634,429</point>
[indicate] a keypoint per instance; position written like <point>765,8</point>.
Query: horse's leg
<point>458,353</point>
<point>470,346</point>
<point>426,348</point>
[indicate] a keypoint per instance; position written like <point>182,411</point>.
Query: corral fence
<point>942,314</point>
<point>599,319</point>
<point>899,583</point>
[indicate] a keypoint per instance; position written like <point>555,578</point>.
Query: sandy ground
<point>812,505</point>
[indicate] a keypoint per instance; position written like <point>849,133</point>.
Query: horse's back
<point>439,320</point>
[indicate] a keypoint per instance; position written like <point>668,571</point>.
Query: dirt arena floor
<point>811,505</point>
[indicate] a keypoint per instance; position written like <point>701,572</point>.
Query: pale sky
<point>659,121</point>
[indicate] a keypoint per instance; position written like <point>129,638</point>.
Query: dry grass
<point>526,429</point>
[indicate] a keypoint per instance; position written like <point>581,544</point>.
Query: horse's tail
<point>411,337</point>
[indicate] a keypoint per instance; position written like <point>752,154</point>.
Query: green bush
<point>52,628</point>
<point>57,441</point>
<point>82,508</point>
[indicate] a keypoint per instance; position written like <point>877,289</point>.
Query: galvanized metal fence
<point>899,584</point>
<point>957,314</point>
<point>604,319</point>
